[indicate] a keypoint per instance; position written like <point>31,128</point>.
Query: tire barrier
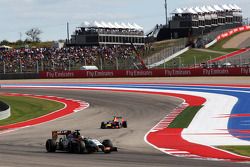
<point>4,110</point>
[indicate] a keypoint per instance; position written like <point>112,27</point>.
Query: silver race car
<point>73,142</point>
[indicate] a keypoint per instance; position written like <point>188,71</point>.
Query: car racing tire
<point>80,147</point>
<point>107,143</point>
<point>51,145</point>
<point>103,125</point>
<point>124,124</point>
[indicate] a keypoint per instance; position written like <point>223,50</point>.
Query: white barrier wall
<point>5,114</point>
<point>168,58</point>
<point>211,43</point>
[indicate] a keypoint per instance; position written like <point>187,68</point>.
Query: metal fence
<point>166,52</point>
<point>179,62</point>
<point>127,64</point>
<point>220,30</point>
<point>115,63</point>
<point>131,62</point>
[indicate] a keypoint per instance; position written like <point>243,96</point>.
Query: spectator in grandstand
<point>33,59</point>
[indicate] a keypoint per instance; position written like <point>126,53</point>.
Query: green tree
<point>4,42</point>
<point>33,34</point>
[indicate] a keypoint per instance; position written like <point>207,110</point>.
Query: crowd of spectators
<point>50,59</point>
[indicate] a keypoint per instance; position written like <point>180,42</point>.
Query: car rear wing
<point>59,132</point>
<point>118,118</point>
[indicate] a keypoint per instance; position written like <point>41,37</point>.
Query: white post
<point>101,63</point>
<point>69,65</point>
<point>210,61</point>
<point>4,69</point>
<point>195,62</point>
<point>179,62</point>
<point>240,61</point>
<point>21,66</point>
<point>53,65</point>
<point>42,65</point>
<point>37,67</point>
<point>117,63</point>
<point>85,61</point>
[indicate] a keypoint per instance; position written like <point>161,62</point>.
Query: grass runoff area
<point>219,45</point>
<point>190,57</point>
<point>185,118</point>
<point>241,150</point>
<point>26,108</point>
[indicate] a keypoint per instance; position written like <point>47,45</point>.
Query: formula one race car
<point>73,142</point>
<point>116,123</point>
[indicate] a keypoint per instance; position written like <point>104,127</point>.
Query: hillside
<point>242,40</point>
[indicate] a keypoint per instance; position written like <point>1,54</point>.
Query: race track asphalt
<point>25,147</point>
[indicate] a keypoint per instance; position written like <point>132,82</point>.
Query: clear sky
<point>51,16</point>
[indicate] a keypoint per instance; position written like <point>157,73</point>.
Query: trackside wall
<point>179,72</point>
<point>19,76</point>
<point>4,110</point>
<point>227,34</point>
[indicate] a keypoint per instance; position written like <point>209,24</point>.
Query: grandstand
<point>111,45</point>
<point>103,34</point>
<point>198,21</point>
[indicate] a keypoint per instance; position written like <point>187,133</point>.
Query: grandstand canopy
<point>109,25</point>
<point>177,11</point>
<point>189,11</point>
<point>207,9</point>
<point>198,10</point>
<point>211,9</point>
<point>235,7</point>
<point>218,8</point>
<point>204,9</point>
<point>225,7</point>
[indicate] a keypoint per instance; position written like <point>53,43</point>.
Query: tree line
<point>33,35</point>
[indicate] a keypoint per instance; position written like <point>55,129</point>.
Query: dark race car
<point>116,123</point>
<point>73,142</point>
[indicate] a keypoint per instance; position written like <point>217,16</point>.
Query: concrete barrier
<point>168,58</point>
<point>211,43</point>
<point>4,110</point>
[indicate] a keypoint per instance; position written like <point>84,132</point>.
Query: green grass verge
<point>219,45</point>
<point>241,150</point>
<point>185,118</point>
<point>26,108</point>
<point>188,58</point>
